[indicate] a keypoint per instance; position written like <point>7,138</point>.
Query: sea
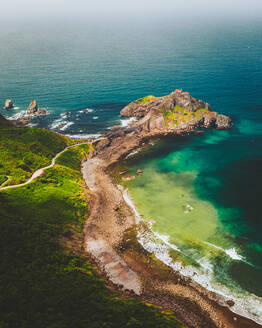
<point>200,194</point>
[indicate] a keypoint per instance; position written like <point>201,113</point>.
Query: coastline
<point>105,241</point>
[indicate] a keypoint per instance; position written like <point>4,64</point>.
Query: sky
<point>131,7</point>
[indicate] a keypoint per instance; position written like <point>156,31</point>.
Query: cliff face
<point>175,111</point>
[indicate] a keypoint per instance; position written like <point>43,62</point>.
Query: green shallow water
<point>189,188</point>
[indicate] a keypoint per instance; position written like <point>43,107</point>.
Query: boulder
<point>33,107</point>
<point>230,303</point>
<point>9,104</point>
<point>210,120</point>
<point>223,122</point>
<point>41,111</point>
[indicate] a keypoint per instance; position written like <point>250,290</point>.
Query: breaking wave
<point>245,304</point>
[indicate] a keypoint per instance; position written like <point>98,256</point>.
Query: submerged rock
<point>9,104</point>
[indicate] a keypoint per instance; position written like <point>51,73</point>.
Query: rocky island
<point>175,113</point>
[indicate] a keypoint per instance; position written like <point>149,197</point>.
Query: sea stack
<point>33,107</point>
<point>9,104</point>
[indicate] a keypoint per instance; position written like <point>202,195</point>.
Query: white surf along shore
<point>246,304</point>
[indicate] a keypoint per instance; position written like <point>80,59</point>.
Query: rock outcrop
<point>9,104</point>
<point>32,108</point>
<point>175,111</point>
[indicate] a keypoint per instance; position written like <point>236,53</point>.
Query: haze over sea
<point>203,191</point>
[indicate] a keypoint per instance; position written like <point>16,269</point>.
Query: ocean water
<point>203,192</point>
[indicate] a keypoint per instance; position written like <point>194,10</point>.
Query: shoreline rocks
<point>9,104</point>
<point>32,108</point>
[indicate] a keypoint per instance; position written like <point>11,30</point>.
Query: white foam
<point>90,110</point>
<point>64,115</point>
<point>132,153</point>
<point>17,115</point>
<point>32,124</point>
<point>56,123</point>
<point>66,126</point>
<point>127,122</point>
<point>246,304</point>
<point>230,252</point>
<point>129,201</point>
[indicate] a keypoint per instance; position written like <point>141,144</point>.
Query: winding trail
<point>40,171</point>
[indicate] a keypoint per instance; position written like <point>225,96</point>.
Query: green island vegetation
<point>46,278</point>
<point>145,99</point>
<point>180,115</point>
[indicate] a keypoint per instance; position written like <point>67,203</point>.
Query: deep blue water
<point>69,66</point>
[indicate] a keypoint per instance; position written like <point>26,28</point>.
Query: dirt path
<point>39,172</point>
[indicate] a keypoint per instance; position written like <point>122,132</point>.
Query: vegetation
<point>24,150</point>
<point>180,116</point>
<point>46,281</point>
<point>145,100</point>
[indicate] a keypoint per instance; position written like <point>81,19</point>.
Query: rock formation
<point>32,108</point>
<point>175,111</point>
<point>9,104</point>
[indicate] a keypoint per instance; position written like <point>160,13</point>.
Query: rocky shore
<point>25,117</point>
<point>111,229</point>
<point>176,113</point>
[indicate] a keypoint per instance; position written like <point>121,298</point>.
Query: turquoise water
<point>203,191</point>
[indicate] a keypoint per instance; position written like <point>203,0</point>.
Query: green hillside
<point>24,150</point>
<point>46,278</point>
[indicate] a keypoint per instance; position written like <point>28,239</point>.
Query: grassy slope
<point>45,284</point>
<point>145,99</point>
<point>179,116</point>
<point>24,150</point>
